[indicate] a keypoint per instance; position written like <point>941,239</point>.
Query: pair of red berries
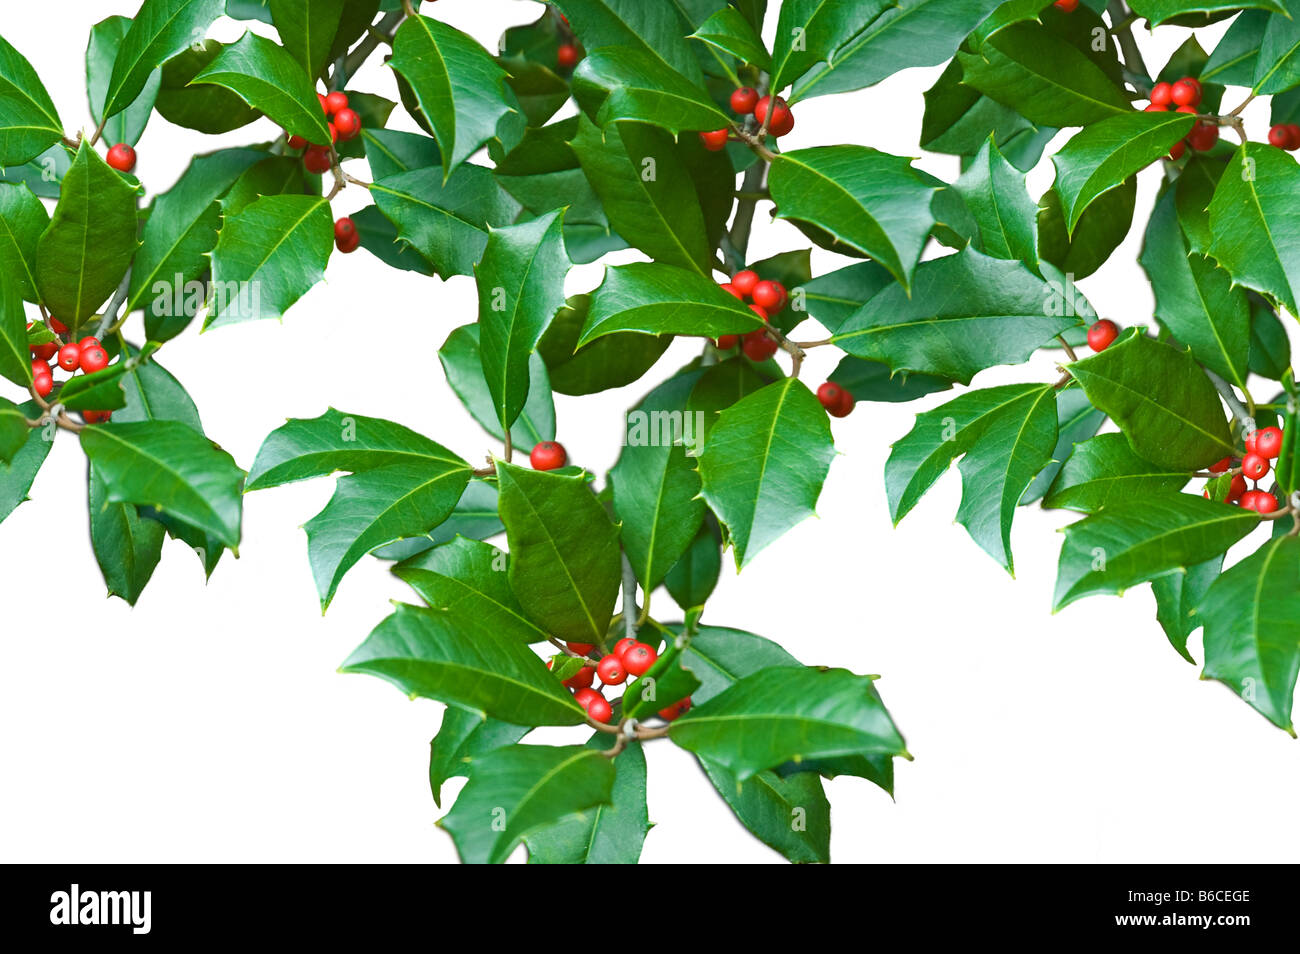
<point>1102,334</point>
<point>837,401</point>
<point>767,299</point>
<point>1184,96</point>
<point>345,124</point>
<point>548,455</point>
<point>1285,136</point>
<point>746,101</point>
<point>346,236</point>
<point>122,157</point>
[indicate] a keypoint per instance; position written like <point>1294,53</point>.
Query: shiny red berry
<point>758,346</point>
<point>1102,334</point>
<point>1176,151</point>
<point>41,366</point>
<point>715,140</point>
<point>548,455</point>
<point>582,649</point>
<point>1268,442</point>
<point>58,327</point>
<point>323,107</point>
<point>297,142</point>
<point>1236,487</point>
<point>1203,137</point>
<point>122,157</point>
<point>744,281</point>
<point>1254,466</point>
<point>347,122</point>
<point>744,100</point>
<point>611,670</point>
<point>638,659</point>
<point>727,342</point>
<point>43,384</point>
<point>567,56</point>
<point>584,696</point>
<point>582,679</point>
<point>782,121</point>
<point>1262,502</point>
<point>598,710</point>
<point>336,102</point>
<point>1068,6</point>
<point>96,417</point>
<point>676,709</point>
<point>1221,466</point>
<point>830,394</point>
<point>317,159</point>
<point>93,359</point>
<point>70,357</point>
<point>1279,136</point>
<point>731,289</point>
<point>623,645</point>
<point>1162,94</point>
<point>1185,92</point>
<point>770,296</point>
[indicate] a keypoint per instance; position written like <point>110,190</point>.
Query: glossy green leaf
<point>654,29</point>
<point>1161,400</point>
<point>1193,190</point>
<point>608,362</point>
<point>691,580</point>
<point>15,357</point>
<point>1159,11</point>
<point>23,220</point>
<point>101,53</point>
<point>657,299</point>
<point>475,517</point>
<point>463,737</point>
<point>515,791</point>
<point>307,29</point>
<point>463,365</point>
<point>1233,60</point>
<point>995,194</point>
<point>764,464</point>
<point>809,31</point>
<point>873,381</point>
<point>269,255</point>
<point>1104,224</point>
<point>424,653</point>
<point>29,123</point>
<point>871,202</point>
<point>565,568</point>
<point>1278,67</point>
<point>1252,629</point>
<point>392,151</point>
<point>639,90</point>
<point>1104,471</point>
<point>1177,596</point>
<point>208,109</point>
<point>834,297</point>
<point>1004,436</point>
<point>729,31</point>
<point>1270,349</point>
<point>101,391</point>
<point>790,815</point>
<point>13,430</point>
<point>16,476</point>
<point>172,468</point>
<point>81,258</point>
<point>1076,421</point>
<point>160,30</point>
<point>959,120</point>
<point>127,546</point>
<point>1142,539</point>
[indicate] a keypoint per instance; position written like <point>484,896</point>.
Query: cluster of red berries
<point>548,455</point>
<point>630,657</point>
<point>767,298</point>
<point>122,157</point>
<point>1184,96</point>
<point>345,124</point>
<point>1285,136</point>
<point>1262,446</point>
<point>746,102</point>
<point>86,355</point>
<point>1102,334</point>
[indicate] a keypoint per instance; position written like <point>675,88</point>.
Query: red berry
<point>1176,151</point>
<point>758,346</point>
<point>1101,334</point>
<point>1279,136</point>
<point>676,709</point>
<point>598,710</point>
<point>582,649</point>
<point>567,56</point>
<point>41,366</point>
<point>611,670</point>
<point>1254,466</point>
<point>122,157</point>
<point>1221,466</point>
<point>1185,92</point>
<point>334,133</point>
<point>70,357</point>
<point>1161,94</point>
<point>770,296</point>
<point>96,417</point>
<point>348,123</point>
<point>1154,108</point>
<point>318,159</point>
<point>297,142</point>
<point>1203,137</point>
<point>1068,6</point>
<point>744,100</point>
<point>744,281</point>
<point>845,406</point>
<point>1262,502</point>
<point>344,229</point>
<point>1189,110</point>
<point>323,107</point>
<point>93,359</point>
<point>335,103</point>
<point>581,679</point>
<point>637,659</point>
<point>1293,132</point>
<point>548,455</point>
<point>58,327</point>
<point>1268,442</point>
<point>623,645</point>
<point>830,394</point>
<point>90,341</point>
<point>1236,488</point>
<point>761,312</point>
<point>716,140</point>
<point>727,342</point>
<point>45,351</point>
<point>731,289</point>
<point>43,384</point>
<point>782,121</point>
<point>584,696</point>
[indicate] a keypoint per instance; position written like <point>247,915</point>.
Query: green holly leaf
<point>307,29</point>
<point>789,713</point>
<point>1161,400</point>
<point>463,737</point>
<point>656,487</point>
<point>605,834</point>
<point>540,93</point>
<point>521,287</point>
<point>1141,539</point>
<point>1104,225</point>
<point>172,468</point>
<point>209,109</point>
<point>273,175</point>
<point>1195,299</point>
<point>1023,67</point>
<point>958,120</point>
<point>269,255</point>
<point>392,151</point>
<point>908,33</point>
<point>1004,436</point>
<point>266,77</point>
<point>1103,155</point>
<point>655,30</point>
<point>81,258</point>
<point>337,441</point>
<point>127,546</point>
<point>966,312</point>
<point>516,791</point>
<point>1159,11</point>
<point>379,238</point>
<point>463,365</point>
<point>1252,629</point>
<point>834,297</point>
<point>1193,190</point>
<point>808,33</point>
<point>609,362</point>
<point>16,476</point>
<point>179,235</point>
<point>1270,348</point>
<point>29,124</point>
<point>720,387</point>
<point>457,84</point>
<point>23,220</point>
<point>160,30</point>
<point>873,381</point>
<point>15,357</point>
<point>692,579</point>
<point>101,53</point>
<point>1251,222</point>
<point>446,222</point>
<point>764,464</point>
<point>728,30</point>
<point>474,518</point>
<point>1177,596</point>
<point>565,567</point>
<point>1076,421</point>
<point>1104,471</point>
<point>994,192</point>
<point>1233,60</point>
<point>468,579</point>
<point>874,203</point>
<point>101,391</point>
<point>658,299</point>
<point>790,815</point>
<point>424,652</point>
<point>1278,66</point>
<point>639,90</point>
<point>13,430</point>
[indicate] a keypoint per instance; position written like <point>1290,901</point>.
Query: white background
<point>209,724</point>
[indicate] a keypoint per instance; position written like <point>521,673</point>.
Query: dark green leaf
<point>159,31</point>
<point>609,362</point>
<point>208,109</point>
<point>307,29</point>
<point>463,737</point>
<point>1177,596</point>
<point>1104,225</point>
<point>995,194</point>
<point>23,220</point>
<point>1105,471</point>
<point>463,366</point>
<point>657,299</point>
<point>790,815</point>
<point>29,123</point>
<point>101,53</point>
